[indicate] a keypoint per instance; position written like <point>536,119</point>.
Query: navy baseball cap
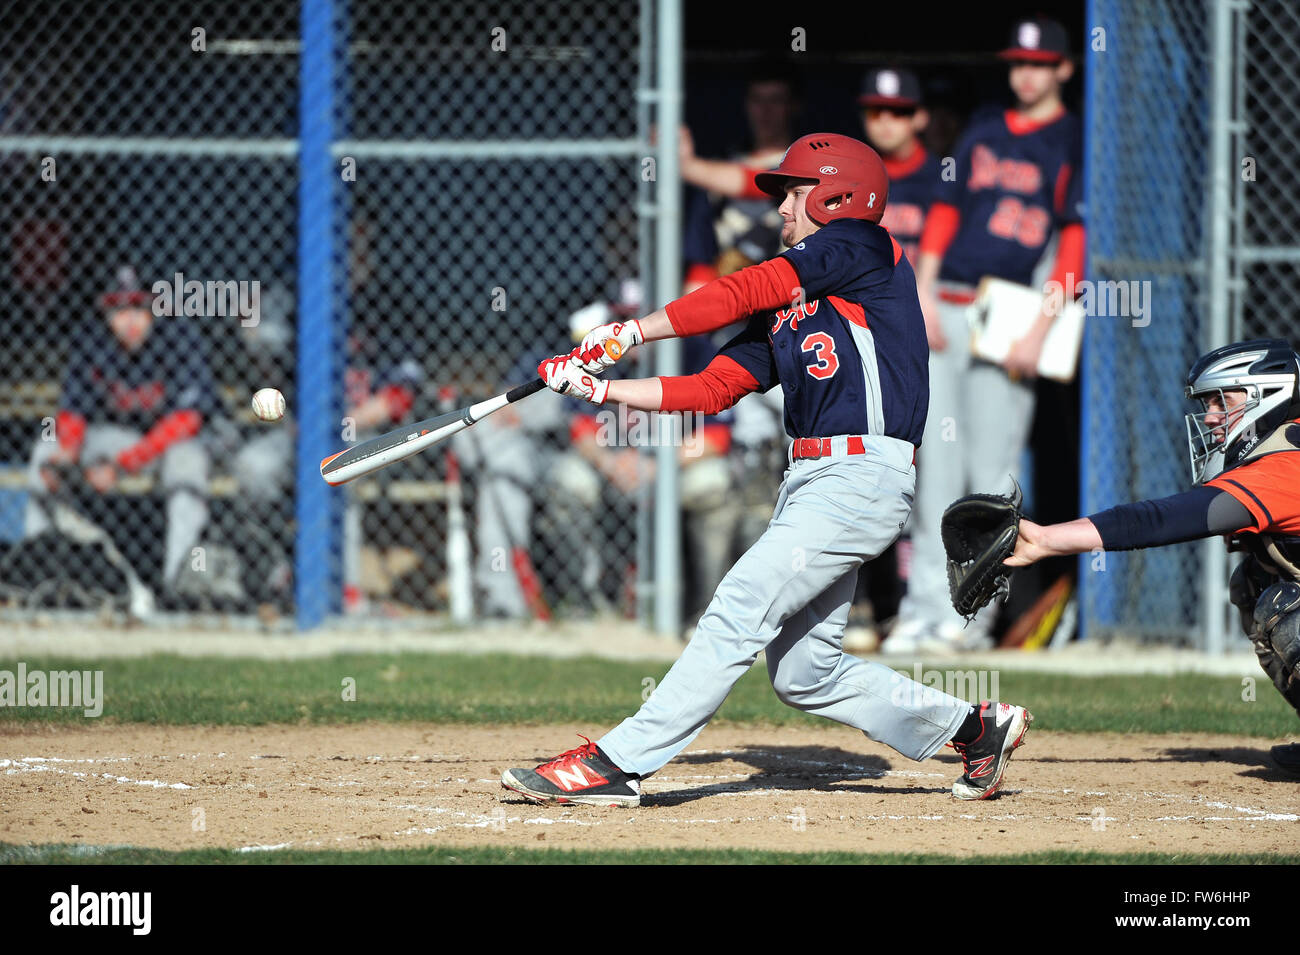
<point>890,87</point>
<point>125,292</point>
<point>1037,39</point>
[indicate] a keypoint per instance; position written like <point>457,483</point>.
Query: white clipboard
<point>1003,312</point>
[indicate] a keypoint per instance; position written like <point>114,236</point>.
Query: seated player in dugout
<point>136,395</point>
<point>1244,443</point>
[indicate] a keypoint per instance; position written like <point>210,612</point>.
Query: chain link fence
<point>1191,121</point>
<point>384,210</point>
<point>1267,208</point>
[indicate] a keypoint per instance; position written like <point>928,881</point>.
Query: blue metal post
<point>317,552</point>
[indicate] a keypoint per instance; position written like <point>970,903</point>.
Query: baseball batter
<point>1244,443</point>
<point>835,321</point>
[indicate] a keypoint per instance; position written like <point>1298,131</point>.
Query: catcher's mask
<point>850,177</point>
<point>1267,371</point>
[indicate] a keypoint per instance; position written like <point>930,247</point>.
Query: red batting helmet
<point>846,171</point>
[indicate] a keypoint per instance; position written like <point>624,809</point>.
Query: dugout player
<point>1016,184</point>
<point>835,321</point>
<point>893,118</point>
<point>1244,443</point>
<point>135,396</point>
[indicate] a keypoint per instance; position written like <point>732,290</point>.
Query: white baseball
<point>268,404</point>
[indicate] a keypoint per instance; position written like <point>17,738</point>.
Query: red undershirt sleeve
<point>171,428</point>
<point>715,389</point>
<point>71,430</point>
<point>768,285</point>
<point>941,224</point>
<point>1069,254</point>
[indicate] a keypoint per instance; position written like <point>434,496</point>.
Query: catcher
<point>1244,442</point>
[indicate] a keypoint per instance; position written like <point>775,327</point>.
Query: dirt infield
<point>358,787</point>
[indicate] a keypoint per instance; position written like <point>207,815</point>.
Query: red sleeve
<point>717,436</point>
<point>768,285</point>
<point>171,428</point>
<point>1069,255</point>
<point>715,389</point>
<point>700,273</point>
<point>70,428</point>
<point>582,426</point>
<point>399,399</point>
<point>941,224</point>
<point>750,190</point>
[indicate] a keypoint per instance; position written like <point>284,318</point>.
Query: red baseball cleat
<point>582,775</point>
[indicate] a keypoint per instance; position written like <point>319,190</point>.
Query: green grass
<point>439,855</point>
<point>499,688</point>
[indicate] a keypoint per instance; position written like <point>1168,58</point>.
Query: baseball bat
<point>460,586</point>
<point>369,456</point>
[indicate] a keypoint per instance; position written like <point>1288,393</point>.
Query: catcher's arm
<point>1188,515</point>
<point>1036,542</point>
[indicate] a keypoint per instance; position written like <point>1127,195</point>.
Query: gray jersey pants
<point>975,434</point>
<point>789,595</point>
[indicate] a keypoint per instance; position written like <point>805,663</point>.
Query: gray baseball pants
<point>790,595</point>
<point>975,434</point>
<point>182,470</point>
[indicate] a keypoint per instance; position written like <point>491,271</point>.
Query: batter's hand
<point>563,376</point>
<point>593,357</point>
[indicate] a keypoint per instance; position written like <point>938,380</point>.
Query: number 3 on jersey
<point>822,347</point>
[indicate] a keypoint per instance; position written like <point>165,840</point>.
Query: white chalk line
<point>461,819</point>
<point>16,767</point>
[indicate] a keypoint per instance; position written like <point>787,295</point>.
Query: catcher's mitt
<point>979,532</point>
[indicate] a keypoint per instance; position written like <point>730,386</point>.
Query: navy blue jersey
<point>169,372</point>
<point>912,186</point>
<point>1012,190</point>
<point>853,359</point>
